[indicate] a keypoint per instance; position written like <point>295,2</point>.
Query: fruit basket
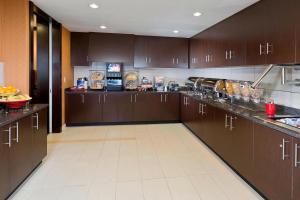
<point>15,102</point>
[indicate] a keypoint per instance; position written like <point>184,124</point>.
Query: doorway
<point>45,65</point>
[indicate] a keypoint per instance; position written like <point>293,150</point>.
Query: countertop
<point>12,116</point>
<point>257,115</point>
<point>103,91</point>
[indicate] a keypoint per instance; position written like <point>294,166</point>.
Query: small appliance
<point>114,76</point>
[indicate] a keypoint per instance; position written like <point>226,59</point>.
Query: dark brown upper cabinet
<point>297,7</point>
<point>270,36</point>
<point>174,52</point>
<point>146,52</point>
<point>108,47</point>
<point>79,49</point>
<point>196,46</point>
<point>164,52</point>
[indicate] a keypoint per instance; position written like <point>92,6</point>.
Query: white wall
<point>282,94</point>
<point>1,73</point>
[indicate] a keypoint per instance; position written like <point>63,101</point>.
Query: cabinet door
<point>140,52</point>
<point>4,160</point>
<point>39,136</point>
<point>110,107</point>
<point>195,52</point>
<point>242,144</point>
<point>92,108</point>
<point>190,113</point>
<point>296,169</point>
<point>280,31</point>
<point>296,10</point>
<point>255,34</point>
<point>272,163</point>
<point>147,107</point>
<point>74,104</point>
<point>20,151</point>
<point>221,138</point>
<point>174,53</point>
<point>170,106</point>
<point>207,123</point>
<point>199,125</point>
<point>107,47</point>
<point>125,106</point>
<point>79,49</point>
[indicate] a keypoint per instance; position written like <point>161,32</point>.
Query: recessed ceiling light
<point>103,27</point>
<point>93,5</point>
<point>197,14</point>
<point>175,31</point>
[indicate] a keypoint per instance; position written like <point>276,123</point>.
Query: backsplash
<point>287,95</point>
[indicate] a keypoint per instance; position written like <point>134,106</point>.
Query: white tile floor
<point>132,162</point>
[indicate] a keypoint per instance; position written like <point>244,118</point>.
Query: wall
<point>14,42</point>
<point>67,70</point>
<point>288,95</point>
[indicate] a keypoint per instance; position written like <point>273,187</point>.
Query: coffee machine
<point>114,76</point>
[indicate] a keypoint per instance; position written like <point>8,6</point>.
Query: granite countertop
<point>12,116</point>
<point>257,115</point>
<point>103,91</point>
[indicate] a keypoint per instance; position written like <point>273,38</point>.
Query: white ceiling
<point>142,17</point>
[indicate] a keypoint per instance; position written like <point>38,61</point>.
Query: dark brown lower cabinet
<point>110,107</point>
<point>273,163</point>
<point>242,145</point>
<point>20,151</point>
<point>83,107</point>
<point>125,107</point>
<point>147,107</point>
<point>4,160</point>
<point>39,136</point>
<point>188,111</point>
<point>296,169</point>
<point>170,106</point>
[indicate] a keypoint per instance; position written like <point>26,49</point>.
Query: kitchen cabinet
<point>241,130</point>
<point>4,160</point>
<point>169,106</point>
<point>272,163</point>
<point>108,47</point>
<point>39,130</point>
<point>188,111</point>
<point>270,38</point>
<point>147,107</point>
<point>174,52</point>
<point>296,10</point>
<point>205,122</point>
<point>20,151</point>
<point>196,46</point>
<point>126,107</point>
<point>147,52</point>
<point>296,169</point>
<point>79,49</point>
<point>110,107</point>
<point>83,108</point>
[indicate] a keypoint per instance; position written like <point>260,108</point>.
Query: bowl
<point>15,104</point>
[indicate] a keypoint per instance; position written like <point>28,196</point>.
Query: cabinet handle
<point>231,122</point>
<point>269,48</point>
<point>99,99</point>
<point>9,136</point>
<point>206,60</point>
<point>146,60</point>
<point>37,121</point>
<point>282,146</point>
<point>82,98</point>
<point>17,132</point>
<point>161,98</point>
<point>173,60</point>
<point>166,96</point>
<point>177,60</point>
<point>296,155</point>
<point>226,121</point>
<point>104,98</point>
<point>226,55</point>
<point>261,49</point>
<point>202,109</point>
<point>230,55</point>
<point>187,103</point>
<point>131,98</point>
<point>135,98</point>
